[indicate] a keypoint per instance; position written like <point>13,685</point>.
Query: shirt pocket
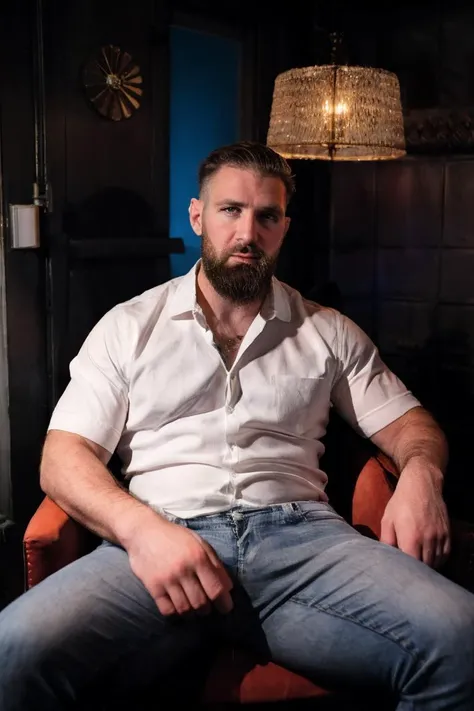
<point>302,404</point>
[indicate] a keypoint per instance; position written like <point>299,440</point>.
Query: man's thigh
<point>86,620</point>
<point>335,604</point>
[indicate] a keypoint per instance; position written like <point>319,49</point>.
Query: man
<point>215,389</point>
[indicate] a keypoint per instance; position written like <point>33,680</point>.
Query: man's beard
<point>241,283</point>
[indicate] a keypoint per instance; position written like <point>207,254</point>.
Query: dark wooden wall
<point>402,240</point>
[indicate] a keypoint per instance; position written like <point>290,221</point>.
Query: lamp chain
<point>336,42</point>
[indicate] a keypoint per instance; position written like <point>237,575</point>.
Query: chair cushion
<point>235,677</point>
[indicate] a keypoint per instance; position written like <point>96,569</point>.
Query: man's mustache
<point>249,249</point>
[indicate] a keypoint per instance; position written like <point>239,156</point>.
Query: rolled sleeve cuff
<point>387,413</point>
<point>99,433</point>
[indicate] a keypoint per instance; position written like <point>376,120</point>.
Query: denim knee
<point>447,630</point>
<point>25,637</point>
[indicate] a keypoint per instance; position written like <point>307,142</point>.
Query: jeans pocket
<point>318,511</point>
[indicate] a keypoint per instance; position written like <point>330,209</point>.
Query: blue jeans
<point>311,594</point>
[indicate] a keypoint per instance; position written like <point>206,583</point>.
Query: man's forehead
<point>232,178</point>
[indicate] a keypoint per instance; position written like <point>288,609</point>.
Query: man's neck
<point>235,318</point>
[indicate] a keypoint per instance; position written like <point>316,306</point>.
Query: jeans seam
<point>329,611</point>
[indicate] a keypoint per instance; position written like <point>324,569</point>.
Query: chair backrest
<point>345,457</point>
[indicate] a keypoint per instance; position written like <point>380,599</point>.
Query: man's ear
<point>195,215</point>
<point>287,224</point>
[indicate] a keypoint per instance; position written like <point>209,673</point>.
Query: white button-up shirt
<point>196,438</point>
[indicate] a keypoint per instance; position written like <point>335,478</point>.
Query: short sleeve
<point>366,393</point>
<point>95,402</point>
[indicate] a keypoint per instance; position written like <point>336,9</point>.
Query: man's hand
<point>416,519</point>
<point>180,570</point>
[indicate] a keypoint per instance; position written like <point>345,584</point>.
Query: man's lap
<point>307,554</point>
<point>336,605</point>
<point>307,586</point>
<point>316,559</point>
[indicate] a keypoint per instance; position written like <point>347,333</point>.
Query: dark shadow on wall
<point>110,252</point>
<point>112,212</point>
<point>327,294</point>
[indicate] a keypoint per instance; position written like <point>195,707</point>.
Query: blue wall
<point>204,114</point>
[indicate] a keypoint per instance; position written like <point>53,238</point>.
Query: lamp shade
<point>337,112</point>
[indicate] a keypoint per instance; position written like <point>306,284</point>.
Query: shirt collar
<point>183,301</point>
<point>280,302</point>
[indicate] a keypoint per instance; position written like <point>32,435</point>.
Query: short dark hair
<point>248,155</point>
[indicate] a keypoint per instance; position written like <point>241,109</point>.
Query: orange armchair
<point>365,481</point>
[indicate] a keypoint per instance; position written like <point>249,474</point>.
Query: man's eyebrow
<point>273,207</point>
<point>231,203</point>
<point>276,209</point>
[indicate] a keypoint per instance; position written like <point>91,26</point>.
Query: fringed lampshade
<point>336,112</point>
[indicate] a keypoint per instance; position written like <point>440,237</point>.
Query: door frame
<point>6,504</point>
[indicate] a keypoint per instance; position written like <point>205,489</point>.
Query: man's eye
<point>231,210</point>
<point>269,216</point>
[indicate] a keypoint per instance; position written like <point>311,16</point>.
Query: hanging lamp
<point>337,112</point>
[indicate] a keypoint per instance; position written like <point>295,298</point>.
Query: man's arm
<point>74,474</point>
<point>415,435</point>
<point>416,519</point>
<point>378,405</point>
<point>179,569</point>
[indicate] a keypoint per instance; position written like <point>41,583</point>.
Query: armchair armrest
<point>372,493</point>
<point>373,488</point>
<point>52,540</point>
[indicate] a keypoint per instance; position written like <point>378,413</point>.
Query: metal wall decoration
<point>112,82</point>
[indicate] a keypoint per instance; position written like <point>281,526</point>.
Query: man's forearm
<point>75,478</point>
<point>415,437</point>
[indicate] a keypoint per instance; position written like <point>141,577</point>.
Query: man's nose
<point>247,230</point>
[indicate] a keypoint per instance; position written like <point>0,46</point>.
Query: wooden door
<point>105,229</point>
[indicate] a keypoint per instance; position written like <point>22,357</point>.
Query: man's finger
<point>224,603</point>
<point>447,547</point>
<point>217,564</point>
<point>387,534</point>
<point>179,599</point>
<point>196,594</point>
<point>216,587</point>
<point>165,605</point>
<point>430,553</point>
<point>411,547</point>
<point>443,551</point>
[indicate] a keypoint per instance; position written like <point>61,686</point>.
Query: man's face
<point>241,219</point>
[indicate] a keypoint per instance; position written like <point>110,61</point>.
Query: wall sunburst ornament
<point>112,82</point>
